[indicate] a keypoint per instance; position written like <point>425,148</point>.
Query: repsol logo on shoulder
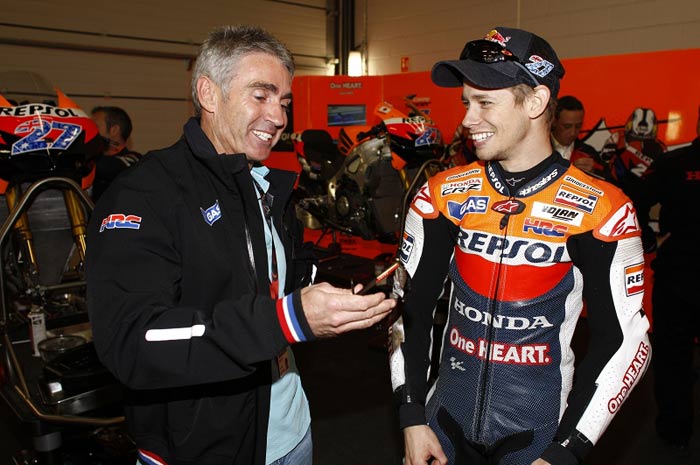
<point>556,213</point>
<point>41,109</point>
<point>578,200</point>
<point>500,321</point>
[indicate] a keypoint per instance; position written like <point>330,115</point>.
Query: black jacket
<point>108,167</point>
<point>180,311</point>
<point>673,181</point>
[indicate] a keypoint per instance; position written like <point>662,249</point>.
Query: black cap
<point>532,51</point>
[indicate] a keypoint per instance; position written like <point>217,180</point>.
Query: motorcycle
<point>47,152</point>
<point>361,185</point>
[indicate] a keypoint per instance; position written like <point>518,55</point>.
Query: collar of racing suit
<point>526,183</point>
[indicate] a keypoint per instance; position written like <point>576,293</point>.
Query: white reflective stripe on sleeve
<point>174,334</point>
<point>314,269</point>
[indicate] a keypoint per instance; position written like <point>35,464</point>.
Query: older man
<point>197,284</point>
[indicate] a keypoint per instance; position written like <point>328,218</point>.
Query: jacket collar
<point>204,150</point>
<point>226,166</point>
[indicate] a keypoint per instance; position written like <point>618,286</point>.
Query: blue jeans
<point>302,454</point>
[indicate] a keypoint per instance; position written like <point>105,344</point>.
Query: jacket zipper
<point>486,365</point>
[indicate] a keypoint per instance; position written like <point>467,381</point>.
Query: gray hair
<point>220,52</point>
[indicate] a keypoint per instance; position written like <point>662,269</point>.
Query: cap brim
<point>486,76</point>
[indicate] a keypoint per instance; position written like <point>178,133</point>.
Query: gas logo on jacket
<point>211,214</point>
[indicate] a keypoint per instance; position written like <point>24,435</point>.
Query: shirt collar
<point>564,150</point>
<point>259,172</point>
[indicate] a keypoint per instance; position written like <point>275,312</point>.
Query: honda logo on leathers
<point>501,321</point>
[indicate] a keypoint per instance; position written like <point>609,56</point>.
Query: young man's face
<point>251,116</point>
<point>494,122</point>
<point>567,127</point>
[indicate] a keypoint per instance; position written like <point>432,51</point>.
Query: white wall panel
<point>158,88</point>
<point>574,28</point>
<point>423,32</point>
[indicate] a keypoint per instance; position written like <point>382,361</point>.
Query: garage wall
<point>426,32</point>
<point>136,54</point>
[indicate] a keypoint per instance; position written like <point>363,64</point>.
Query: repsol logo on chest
<point>512,251</point>
<point>500,321</point>
<point>40,109</point>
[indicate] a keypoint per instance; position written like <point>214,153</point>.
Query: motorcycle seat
<point>319,147</point>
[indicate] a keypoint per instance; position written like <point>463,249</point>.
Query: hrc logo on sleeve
<point>121,221</point>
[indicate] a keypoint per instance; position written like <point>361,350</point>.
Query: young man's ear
<point>538,101</point>
<point>208,93</point>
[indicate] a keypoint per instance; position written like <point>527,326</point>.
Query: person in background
<point>523,237</point>
<point>566,127</point>
<point>114,126</point>
<point>197,279</point>
<point>629,153</point>
<point>673,182</point>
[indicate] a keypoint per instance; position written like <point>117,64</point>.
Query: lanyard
<point>266,202</point>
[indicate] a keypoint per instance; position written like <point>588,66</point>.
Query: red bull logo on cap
<point>495,36</point>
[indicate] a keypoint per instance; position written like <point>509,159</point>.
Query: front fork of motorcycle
<point>78,221</point>
<point>23,232</point>
<point>404,179</point>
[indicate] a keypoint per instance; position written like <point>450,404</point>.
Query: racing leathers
<point>520,264</point>
<point>179,300</point>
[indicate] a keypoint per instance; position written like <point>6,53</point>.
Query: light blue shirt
<point>289,409</point>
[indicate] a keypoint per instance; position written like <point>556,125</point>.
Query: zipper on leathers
<point>486,365</point>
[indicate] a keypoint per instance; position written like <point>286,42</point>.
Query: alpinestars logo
<point>423,203</point>
<point>622,223</point>
<point>539,184</point>
<point>509,207</point>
